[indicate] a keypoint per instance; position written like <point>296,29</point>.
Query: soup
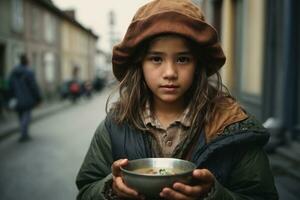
<point>158,171</point>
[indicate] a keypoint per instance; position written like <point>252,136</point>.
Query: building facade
<point>260,40</point>
<point>42,45</point>
<point>29,27</point>
<point>51,39</point>
<point>78,50</point>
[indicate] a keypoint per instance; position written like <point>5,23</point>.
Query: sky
<point>94,14</point>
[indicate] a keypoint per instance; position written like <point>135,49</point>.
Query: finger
<point>115,168</point>
<point>193,191</point>
<point>168,193</point>
<point>203,175</point>
<point>122,195</point>
<point>123,189</point>
<point>118,192</point>
<point>205,179</point>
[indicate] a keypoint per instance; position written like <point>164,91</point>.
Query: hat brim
<point>205,36</point>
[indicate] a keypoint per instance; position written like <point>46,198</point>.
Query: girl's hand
<point>119,187</point>
<point>204,182</point>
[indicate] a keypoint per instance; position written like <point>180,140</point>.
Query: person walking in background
<point>75,85</point>
<point>25,94</point>
<point>172,103</point>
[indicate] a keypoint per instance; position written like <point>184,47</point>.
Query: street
<point>46,167</point>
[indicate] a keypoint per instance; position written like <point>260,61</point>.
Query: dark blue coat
<point>24,88</point>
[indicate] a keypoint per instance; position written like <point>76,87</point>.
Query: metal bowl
<point>150,175</point>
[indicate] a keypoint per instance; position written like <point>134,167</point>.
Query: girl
<point>172,104</point>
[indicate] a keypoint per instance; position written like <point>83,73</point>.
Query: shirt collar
<point>150,119</point>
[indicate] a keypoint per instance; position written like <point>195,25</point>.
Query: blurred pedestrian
<point>169,107</point>
<point>87,89</point>
<point>98,83</point>
<point>75,85</point>
<point>25,94</point>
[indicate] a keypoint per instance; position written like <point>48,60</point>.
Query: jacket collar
<point>226,113</point>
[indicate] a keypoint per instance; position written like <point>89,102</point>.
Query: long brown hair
<point>134,93</point>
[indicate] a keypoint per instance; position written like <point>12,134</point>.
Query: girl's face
<point>169,68</point>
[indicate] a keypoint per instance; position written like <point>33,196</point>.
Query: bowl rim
<point>159,175</point>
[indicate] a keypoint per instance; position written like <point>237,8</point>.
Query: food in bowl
<point>150,175</point>
<point>159,171</point>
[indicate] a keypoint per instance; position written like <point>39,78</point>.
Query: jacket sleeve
<point>96,168</point>
<point>251,179</point>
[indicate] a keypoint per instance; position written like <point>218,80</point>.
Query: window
<point>49,60</point>
<point>17,15</point>
<point>252,50</point>
<point>50,28</point>
<point>35,28</point>
<point>17,50</point>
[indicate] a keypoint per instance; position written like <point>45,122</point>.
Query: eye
<point>183,59</point>
<point>155,59</point>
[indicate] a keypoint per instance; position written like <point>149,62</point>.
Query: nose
<point>170,71</point>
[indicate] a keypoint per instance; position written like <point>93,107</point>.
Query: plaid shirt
<point>166,139</point>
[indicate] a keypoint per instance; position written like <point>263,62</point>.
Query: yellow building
<point>78,50</point>
<point>241,28</point>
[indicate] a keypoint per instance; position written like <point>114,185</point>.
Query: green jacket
<point>235,156</point>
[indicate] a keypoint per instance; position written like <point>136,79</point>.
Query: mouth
<point>169,88</point>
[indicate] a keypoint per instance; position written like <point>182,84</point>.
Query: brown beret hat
<point>180,17</point>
